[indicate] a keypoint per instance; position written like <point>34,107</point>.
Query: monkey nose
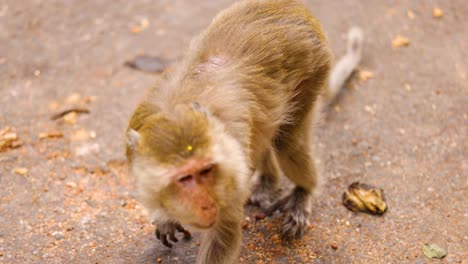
<point>209,212</point>
<point>209,208</point>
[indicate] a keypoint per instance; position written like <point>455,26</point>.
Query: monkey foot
<point>168,230</point>
<point>295,208</point>
<point>264,195</point>
<point>261,198</point>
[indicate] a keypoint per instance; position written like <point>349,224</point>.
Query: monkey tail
<point>346,65</point>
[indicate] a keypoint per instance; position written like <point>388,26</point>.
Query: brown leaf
<point>148,64</point>
<point>9,139</point>
<point>71,112</point>
<point>364,198</point>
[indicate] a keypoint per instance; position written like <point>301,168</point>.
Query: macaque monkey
<point>241,100</point>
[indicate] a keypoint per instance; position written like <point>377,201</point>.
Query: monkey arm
<point>221,245</point>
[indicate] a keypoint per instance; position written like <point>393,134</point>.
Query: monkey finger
<point>187,234</point>
<point>158,234</point>
<point>172,237</point>
<point>165,242</point>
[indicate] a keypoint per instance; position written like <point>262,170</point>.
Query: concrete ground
<point>404,130</point>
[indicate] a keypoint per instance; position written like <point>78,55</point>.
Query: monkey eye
<point>186,179</point>
<point>206,170</point>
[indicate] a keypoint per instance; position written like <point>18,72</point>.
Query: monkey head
<point>187,166</point>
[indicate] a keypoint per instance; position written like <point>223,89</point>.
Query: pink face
<point>194,182</point>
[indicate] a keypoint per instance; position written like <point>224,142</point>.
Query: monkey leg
<point>266,189</point>
<point>298,165</point>
<point>296,161</point>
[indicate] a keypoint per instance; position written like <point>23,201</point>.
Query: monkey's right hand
<point>168,230</point>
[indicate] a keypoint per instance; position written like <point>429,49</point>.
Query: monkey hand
<point>168,230</point>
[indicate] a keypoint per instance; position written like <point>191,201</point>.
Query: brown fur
<point>243,96</point>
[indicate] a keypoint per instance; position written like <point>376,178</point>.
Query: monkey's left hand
<point>168,229</point>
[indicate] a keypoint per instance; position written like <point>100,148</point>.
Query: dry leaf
<point>147,63</point>
<point>9,139</point>
<point>400,41</point>
<point>21,171</point>
<point>437,12</point>
<point>51,134</point>
<point>361,197</point>
<point>365,75</point>
<point>434,251</point>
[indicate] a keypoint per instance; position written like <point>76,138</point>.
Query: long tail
<point>346,65</point>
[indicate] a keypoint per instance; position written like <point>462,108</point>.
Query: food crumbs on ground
<point>365,75</point>
<point>400,41</point>
<point>70,118</point>
<point>21,171</point>
<point>50,134</point>
<point>80,135</point>
<point>9,139</point>
<point>437,12</point>
<point>54,105</point>
<point>74,98</point>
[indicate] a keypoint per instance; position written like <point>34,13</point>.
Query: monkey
<point>241,100</point>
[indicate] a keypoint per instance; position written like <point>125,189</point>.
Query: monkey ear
<point>133,137</point>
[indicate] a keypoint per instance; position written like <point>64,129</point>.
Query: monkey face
<point>187,165</point>
<point>193,195</point>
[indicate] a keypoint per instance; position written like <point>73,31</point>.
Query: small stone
<point>158,260</point>
<point>334,245</point>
